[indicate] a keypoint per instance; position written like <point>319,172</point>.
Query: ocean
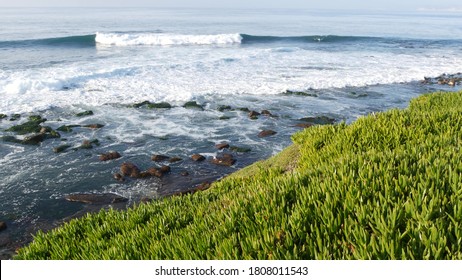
<point>300,65</point>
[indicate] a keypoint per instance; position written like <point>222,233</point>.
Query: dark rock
<point>223,108</point>
<point>45,129</point>
<point>159,172</point>
<point>156,172</point>
<point>244,109</point>
<point>105,198</point>
<point>266,133</point>
<point>445,79</point>
<point>300,93</point>
<point>144,174</point>
<point>140,104</point>
<point>36,118</point>
<point>2,226</point>
<point>159,158</point>
<point>84,113</point>
<point>222,146</point>
<point>225,160</point>
<point>61,148</point>
<point>193,105</point>
<point>93,126</point>
<point>184,173</point>
<point>197,157</point>
<point>253,115</point>
<point>109,156</point>
<point>130,169</point>
<point>50,133</point>
<point>15,117</point>
<point>224,118</point>
<point>30,126</point>
<point>119,177</point>
<point>86,144</point>
<point>3,116</point>
<point>174,159</point>
<point>35,139</point>
<point>165,169</point>
<point>321,120</point>
<point>240,149</point>
<point>304,125</point>
<point>67,128</point>
<point>266,113</point>
<point>201,187</point>
<point>150,105</point>
<point>11,139</point>
<point>161,105</point>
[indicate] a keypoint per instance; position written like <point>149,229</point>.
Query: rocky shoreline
<point>165,170</point>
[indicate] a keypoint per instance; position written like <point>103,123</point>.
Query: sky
<point>306,4</point>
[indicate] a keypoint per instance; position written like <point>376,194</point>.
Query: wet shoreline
<point>185,175</point>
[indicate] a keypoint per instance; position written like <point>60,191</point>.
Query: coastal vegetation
<point>388,186</point>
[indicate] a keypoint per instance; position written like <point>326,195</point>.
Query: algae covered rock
<point>67,128</point>
<point>193,105</point>
<point>240,149</point>
<point>61,148</point>
<point>31,126</point>
<point>151,105</point>
<point>84,113</point>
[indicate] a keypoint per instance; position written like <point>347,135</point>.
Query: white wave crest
<point>155,39</point>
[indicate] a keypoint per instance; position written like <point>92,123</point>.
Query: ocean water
<point>59,62</point>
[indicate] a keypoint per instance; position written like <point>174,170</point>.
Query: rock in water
<point>129,169</point>
<point>119,177</point>
<point>193,105</point>
<point>61,148</point>
<point>197,157</point>
<point>266,133</point>
<point>174,159</point>
<point>85,113</point>
<point>105,198</point>
<point>109,156</point>
<point>222,146</point>
<point>266,113</point>
<point>159,172</point>
<point>253,115</point>
<point>225,160</point>
<point>2,226</point>
<point>158,158</point>
<point>93,126</point>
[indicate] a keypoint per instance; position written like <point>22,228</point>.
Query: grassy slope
<point>388,186</point>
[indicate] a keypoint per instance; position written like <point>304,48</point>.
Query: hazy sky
<point>315,4</point>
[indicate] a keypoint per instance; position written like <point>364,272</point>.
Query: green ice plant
<point>387,186</point>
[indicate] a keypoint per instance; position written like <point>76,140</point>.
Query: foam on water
<point>133,39</point>
<point>172,75</point>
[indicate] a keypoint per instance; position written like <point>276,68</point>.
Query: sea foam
<point>133,39</point>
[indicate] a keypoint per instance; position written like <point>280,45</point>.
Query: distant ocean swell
<point>161,39</point>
